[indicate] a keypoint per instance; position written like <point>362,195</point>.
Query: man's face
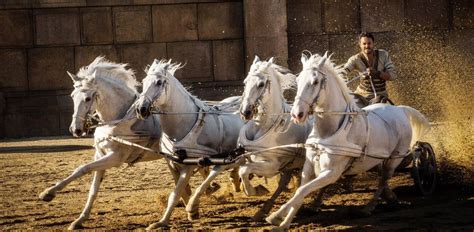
<point>366,45</point>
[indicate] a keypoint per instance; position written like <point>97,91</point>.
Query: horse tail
<point>419,123</point>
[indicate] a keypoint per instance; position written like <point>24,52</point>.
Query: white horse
<point>108,89</point>
<point>263,101</point>
<point>345,139</point>
<point>191,125</point>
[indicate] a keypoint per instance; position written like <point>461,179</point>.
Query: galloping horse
<point>189,124</point>
<point>108,89</point>
<point>263,101</point>
<point>345,139</point>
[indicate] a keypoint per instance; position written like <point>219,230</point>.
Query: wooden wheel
<point>424,170</point>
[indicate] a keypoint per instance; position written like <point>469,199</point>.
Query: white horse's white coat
<point>346,143</point>
<point>263,101</point>
<point>108,89</point>
<point>200,134</point>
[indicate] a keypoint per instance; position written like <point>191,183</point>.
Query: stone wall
<point>41,39</point>
<point>334,25</point>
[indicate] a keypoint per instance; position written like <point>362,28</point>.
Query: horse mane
<point>330,69</point>
<point>286,79</point>
<point>108,70</point>
<point>160,67</point>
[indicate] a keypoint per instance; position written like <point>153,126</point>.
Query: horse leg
<point>255,168</point>
<point>175,171</point>
<point>174,197</point>
<point>267,206</point>
<point>193,205</point>
<point>112,159</point>
<point>213,186</point>
<point>94,189</point>
<point>332,169</point>
<point>234,178</point>
<point>389,168</point>
<point>387,172</point>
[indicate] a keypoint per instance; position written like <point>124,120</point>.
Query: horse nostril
<point>78,132</point>
<point>142,110</point>
<point>300,114</point>
<point>247,113</point>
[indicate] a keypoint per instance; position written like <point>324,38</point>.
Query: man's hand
<point>373,73</point>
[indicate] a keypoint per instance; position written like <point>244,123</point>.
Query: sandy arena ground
<point>132,198</point>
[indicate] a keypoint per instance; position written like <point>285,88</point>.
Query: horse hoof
<point>259,216</point>
<point>274,219</point>
<point>75,226</point>
<point>46,196</point>
<point>157,225</point>
<point>361,213</point>
<point>193,216</point>
<point>212,188</point>
<point>261,190</point>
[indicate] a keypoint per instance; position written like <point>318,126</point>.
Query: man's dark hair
<point>367,34</point>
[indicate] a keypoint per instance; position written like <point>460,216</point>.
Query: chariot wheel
<point>424,168</point>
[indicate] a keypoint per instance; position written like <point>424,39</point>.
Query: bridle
<point>310,104</point>
<point>258,100</point>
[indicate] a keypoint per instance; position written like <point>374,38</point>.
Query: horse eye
<point>88,99</point>
<point>260,85</point>
<point>159,82</point>
<point>315,82</point>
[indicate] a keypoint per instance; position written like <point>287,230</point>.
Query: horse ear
<point>323,60</point>
<point>304,58</point>
<point>73,76</point>
<point>271,60</point>
<point>257,59</point>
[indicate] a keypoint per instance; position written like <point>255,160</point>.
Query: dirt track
<point>132,198</point>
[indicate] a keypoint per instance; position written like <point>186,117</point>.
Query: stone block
<point>132,24</point>
<point>15,4</point>
<point>57,3</point>
<point>463,13</point>
<point>13,74</point>
<point>16,28</point>
<point>383,15</point>
<point>65,119</point>
<point>343,47</point>
<point>31,124</point>
<point>65,103</point>
<point>304,17</point>
<point>57,26</point>
<point>427,14</point>
<point>84,55</point>
<point>316,44</point>
<point>97,25</point>
<point>31,103</point>
<point>265,18</point>
<point>197,57</point>
<point>228,56</point>
<point>341,16</point>
<point>266,47</point>
<point>140,55</point>
<point>47,68</point>
<point>175,23</point>
<point>220,20</point>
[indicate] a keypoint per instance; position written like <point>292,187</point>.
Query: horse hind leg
<point>267,206</point>
<point>388,169</point>
<point>94,189</point>
<point>235,179</point>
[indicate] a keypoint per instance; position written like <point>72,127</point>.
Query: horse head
<point>264,87</point>
<point>155,86</point>
<point>311,83</point>
<point>103,87</point>
<point>83,96</point>
<point>256,83</point>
